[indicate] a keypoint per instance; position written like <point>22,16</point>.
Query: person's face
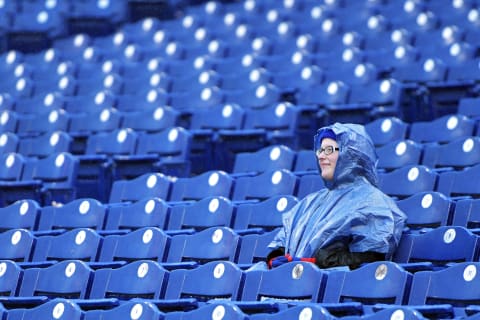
<point>327,161</point>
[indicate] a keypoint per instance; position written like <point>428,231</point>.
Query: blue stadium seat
<point>10,278</point>
<point>208,282</point>
<point>141,310</point>
<point>148,243</point>
<point>98,18</point>
<point>22,214</point>
<point>382,282</point>
<point>40,102</point>
<point>228,311</point>
<point>17,245</point>
<point>254,248</point>
<point>11,170</point>
<point>437,248</point>
<point>289,282</point>
<point>57,308</point>
<point>387,129</point>
<point>327,93</point>
<point>305,162</point>
<point>210,211</point>
<point>209,183</point>
<point>396,154</point>
<point>408,180</point>
<point>265,159</point>
<point>459,183</point>
<point>9,121</point>
<point>145,186</point>
<point>151,120</point>
<point>39,123</point>
<point>457,154</point>
<point>146,212</point>
<point>468,106</point>
<point>429,209</point>
<point>443,129</point>
<point>143,279</point>
<point>79,244</point>
<point>69,279</point>
<point>316,311</point>
<point>265,185</point>
<point>404,312</point>
<point>263,216</point>
<point>454,288</point>
<point>45,144</point>
<point>465,213</point>
<point>166,151</point>
<point>216,243</point>
<point>79,213</point>
<point>8,142</point>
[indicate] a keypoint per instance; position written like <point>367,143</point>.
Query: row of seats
<point>385,284</point>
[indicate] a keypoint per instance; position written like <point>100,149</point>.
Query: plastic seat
<point>308,183</point>
<point>79,213</point>
<point>265,185</point>
<point>153,120</point>
<point>305,162</point>
<point>405,312</point>
<point>376,282</point>
<point>465,213</point>
<point>429,209</point>
<point>408,180</point>
<point>442,130</point>
<point>40,103</point>
<point>57,308</point>
<point>214,243</point>
<point>98,19</point>
<point>147,212</point>
<point>208,282</point>
<point>327,93</point>
<point>11,170</point>
<point>459,183</point>
<point>44,145</point>
<point>454,288</point>
<point>290,282</point>
<point>388,129</point>
<point>210,183</point>
<point>10,280</point>
<point>396,154</point>
<point>263,216</point>
<point>141,310</point>
<point>147,185</point>
<point>254,248</point>
<point>166,151</point>
<point>148,243</point>
<point>8,142</point>
<point>22,214</point>
<point>437,248</point>
<point>316,311</point>
<point>210,211</point>
<point>9,121</point>
<point>70,279</point>
<point>458,153</point>
<point>143,279</point>
<point>40,123</point>
<point>228,311</point>
<point>268,158</point>
<point>424,71</point>
<point>17,245</point>
<point>90,103</point>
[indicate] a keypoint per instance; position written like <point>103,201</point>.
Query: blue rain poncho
<point>350,209</point>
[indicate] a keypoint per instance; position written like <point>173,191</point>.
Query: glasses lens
<point>328,150</point>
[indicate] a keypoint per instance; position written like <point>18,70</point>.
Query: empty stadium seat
<point>8,142</point>
<point>57,308</point>
<point>399,153</point>
<point>443,129</point>
<point>265,159</point>
<point>44,145</point>
<point>458,153</point>
<point>254,248</point>
<point>459,183</point>
<point>209,183</point>
<point>408,180</point>
<point>228,311</point>
<point>17,245</point>
<point>23,214</point>
<point>145,186</point>
<point>389,129</point>
<point>465,213</point>
<point>316,311</point>
<point>141,310</point>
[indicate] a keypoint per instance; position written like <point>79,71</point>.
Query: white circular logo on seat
<point>84,207</point>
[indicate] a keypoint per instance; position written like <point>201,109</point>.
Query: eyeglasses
<point>327,150</point>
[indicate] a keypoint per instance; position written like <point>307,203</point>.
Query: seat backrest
<point>388,129</point>
<point>467,213</point>
<point>305,309</point>
<point>228,311</point>
<point>79,213</point>
<point>8,142</point>
<point>147,185</point>
<point>57,308</point>
<point>268,158</point>
<point>214,243</point>
<point>439,246</point>
<point>138,279</point>
<point>429,209</point>
<point>265,185</point>
<point>45,144</point>
<point>266,214</point>
<point>460,182</point>
<point>442,130</point>
<point>80,243</point>
<point>17,245</point>
<point>305,161</point>
<point>214,211</point>
<point>103,120</point>
<point>40,123</point>
<point>254,247</point>
<point>145,243</point>
<point>227,116</point>
<point>11,275</point>
<point>116,142</point>
<point>153,120</point>
<point>292,281</point>
<point>408,180</point>
<point>399,153</point>
<point>69,279</point>
<point>458,153</point>
<point>172,143</point>
<point>11,166</point>
<point>212,280</point>
<point>375,282</point>
<point>22,214</point>
<point>210,183</point>
<point>141,310</point>
<point>147,212</point>
<point>309,183</point>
